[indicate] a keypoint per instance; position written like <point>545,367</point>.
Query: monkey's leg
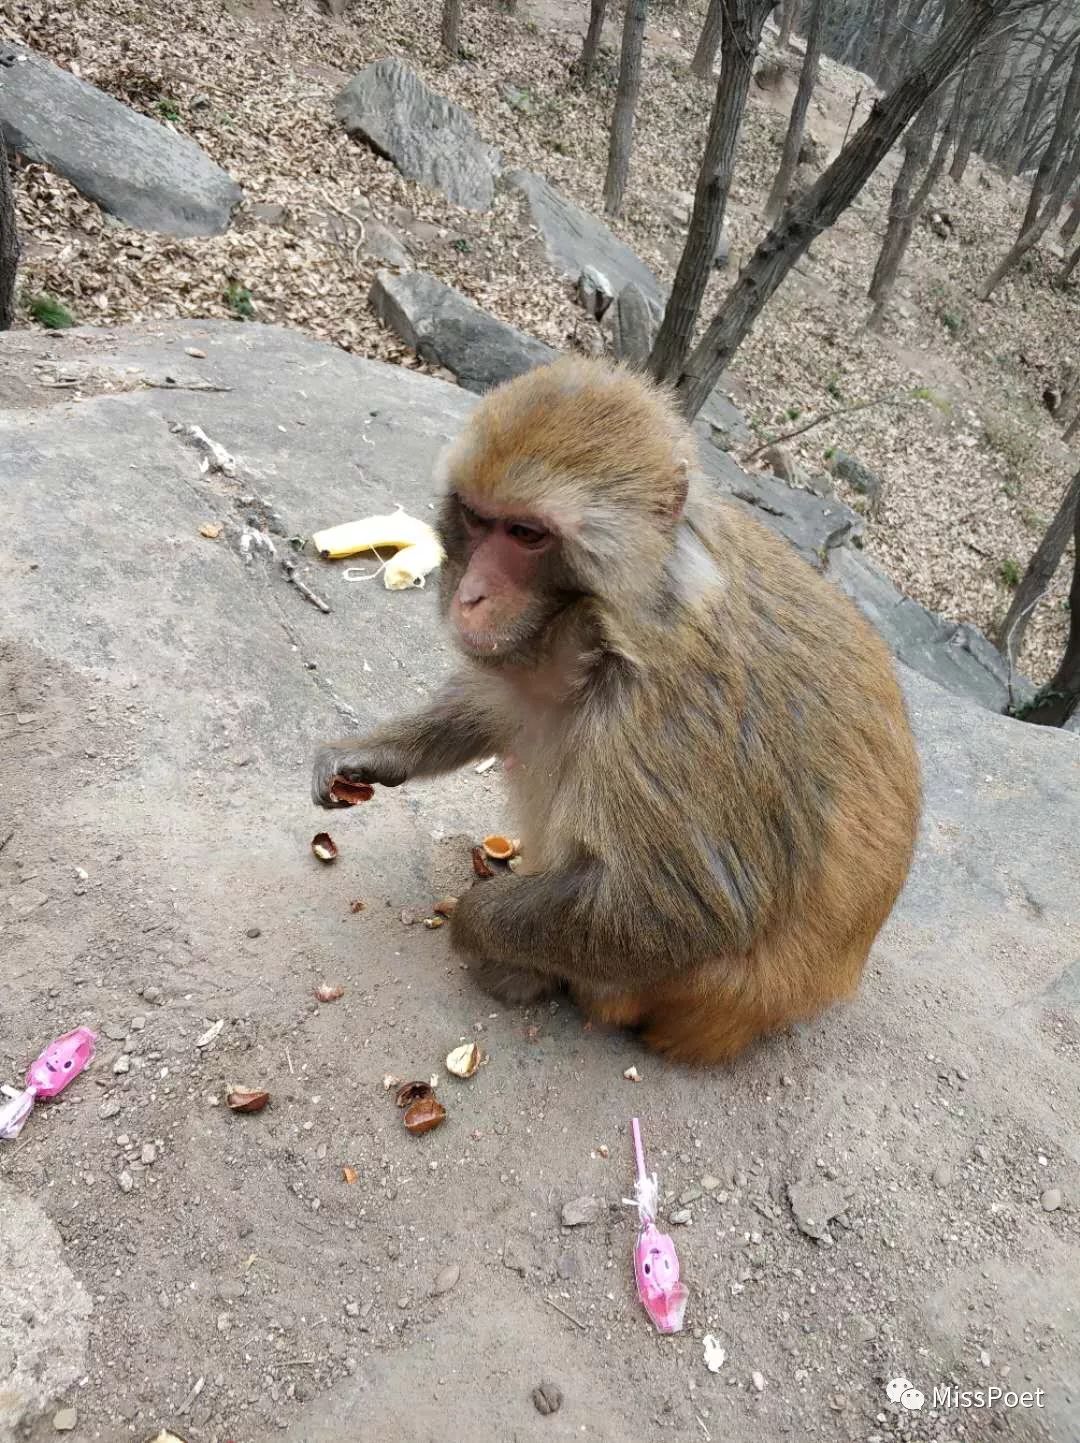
<point>457,728</point>
<point>524,935</point>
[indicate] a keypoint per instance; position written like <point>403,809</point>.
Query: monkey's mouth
<point>483,645</point>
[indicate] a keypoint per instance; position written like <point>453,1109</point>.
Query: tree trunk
<point>904,207</point>
<point>9,243</point>
<point>1039,574</point>
<point>622,122</point>
<point>789,13</point>
<point>1063,184</point>
<point>744,21</point>
<point>709,42</point>
<point>1053,156</point>
<point>1072,223</point>
<point>591,48</point>
<point>1029,111</point>
<point>905,35</point>
<point>789,239</point>
<point>451,27</point>
<point>1066,271</point>
<point>982,82</point>
<point>789,158</point>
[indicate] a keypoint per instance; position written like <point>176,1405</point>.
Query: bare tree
<point>589,51</point>
<point>708,42</point>
<point>986,74</point>
<point>1039,574</point>
<point>789,157</point>
<point>9,242</point>
<point>743,22</point>
<point>906,202</point>
<point>451,27</point>
<point>829,198</point>
<point>1050,165</point>
<point>1063,184</point>
<point>622,122</point>
<point>789,13</point>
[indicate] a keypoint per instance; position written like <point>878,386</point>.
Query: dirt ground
<point>216,1273</point>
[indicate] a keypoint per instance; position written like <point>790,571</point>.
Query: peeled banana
<point>416,546</point>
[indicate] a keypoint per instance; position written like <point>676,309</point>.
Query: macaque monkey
<point>706,744</point>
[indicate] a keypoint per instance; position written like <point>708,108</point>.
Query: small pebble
<point>547,1398</point>
<point>1051,1199</point>
<point>445,1279</point>
<point>352,1310</point>
<point>151,994</point>
<point>943,1175</point>
<point>710,1183</point>
<point>127,1182</point>
<point>122,1064</point>
<point>138,1023</point>
<point>253,932</point>
<point>758,1380</point>
<point>109,1109</point>
<point>148,1154</point>
<point>64,1419</point>
<point>566,1266</point>
<point>680,1217</point>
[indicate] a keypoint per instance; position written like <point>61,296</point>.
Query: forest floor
<point>973,464</point>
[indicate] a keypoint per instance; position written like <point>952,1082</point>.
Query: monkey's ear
<point>681,488</point>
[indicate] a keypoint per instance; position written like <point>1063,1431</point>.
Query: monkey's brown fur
<point>716,780</point>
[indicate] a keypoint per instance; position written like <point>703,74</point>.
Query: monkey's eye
<point>472,519</point>
<point>525,535</point>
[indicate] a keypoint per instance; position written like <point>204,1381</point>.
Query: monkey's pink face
<point>501,599</point>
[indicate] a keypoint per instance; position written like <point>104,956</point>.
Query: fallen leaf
<point>211,530</point>
<point>349,1174</point>
<point>324,847</point>
<point>480,863</point>
<point>463,1061</point>
<point>424,1115</point>
<point>247,1099</point>
<point>410,1092</point>
<point>329,992</point>
<point>356,906</point>
<point>211,1032</point>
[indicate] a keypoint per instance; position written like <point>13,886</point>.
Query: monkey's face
<point>501,584</point>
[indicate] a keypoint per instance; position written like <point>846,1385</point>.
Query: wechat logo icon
<point>900,1390</point>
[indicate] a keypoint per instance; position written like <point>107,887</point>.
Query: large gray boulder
<point>575,240</point>
<point>165,696</point>
<point>446,329</point>
<point>143,173</point>
<point>429,138</point>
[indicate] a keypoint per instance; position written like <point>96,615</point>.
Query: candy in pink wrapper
<point>47,1076</point>
<point>656,1264</point>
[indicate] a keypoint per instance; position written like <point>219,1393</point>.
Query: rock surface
<point>143,173</point>
<point>447,330</point>
<point>575,240</point>
<point>429,138</point>
<point>44,1311</point>
<point>179,691</point>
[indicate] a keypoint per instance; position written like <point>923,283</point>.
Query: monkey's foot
<point>516,986</point>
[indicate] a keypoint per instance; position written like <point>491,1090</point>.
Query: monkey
<point>706,743</point>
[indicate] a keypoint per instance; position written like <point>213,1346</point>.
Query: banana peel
<point>417,549</point>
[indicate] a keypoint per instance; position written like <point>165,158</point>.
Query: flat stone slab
<point>429,138</point>
<point>447,329</point>
<point>143,173</point>
<point>180,691</point>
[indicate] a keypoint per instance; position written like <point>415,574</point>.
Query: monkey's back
<point>783,777</point>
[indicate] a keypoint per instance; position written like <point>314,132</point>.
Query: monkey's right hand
<point>380,764</point>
